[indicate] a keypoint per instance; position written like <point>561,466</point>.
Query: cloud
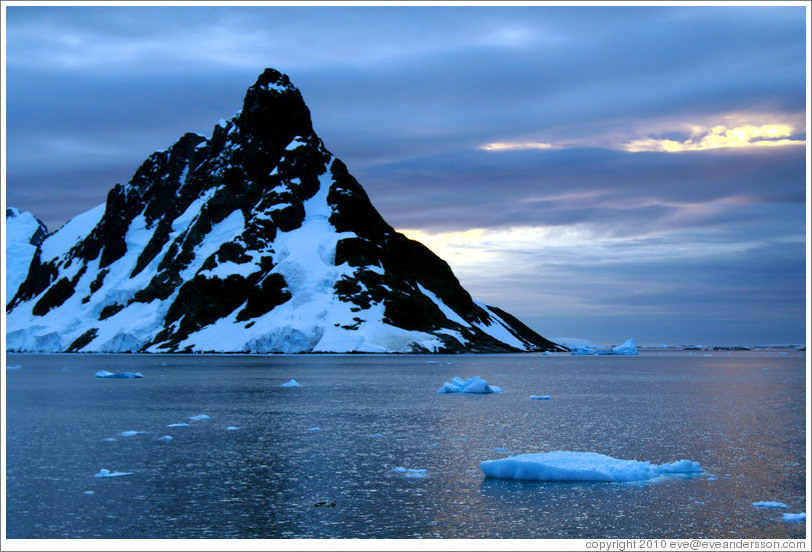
<point>720,136</point>
<point>508,146</point>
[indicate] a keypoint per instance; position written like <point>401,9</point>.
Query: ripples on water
<point>741,415</point>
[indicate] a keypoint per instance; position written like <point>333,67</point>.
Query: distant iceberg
<point>199,417</point>
<point>107,473</point>
<point>795,517</point>
<point>122,375</point>
<point>472,385</point>
<point>629,347</point>
<point>581,466</point>
<point>131,433</point>
<point>541,397</point>
<point>291,383</point>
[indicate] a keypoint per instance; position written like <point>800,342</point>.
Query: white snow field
<point>472,385</point>
<point>20,228</point>
<point>581,466</point>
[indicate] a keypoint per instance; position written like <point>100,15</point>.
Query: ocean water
<point>741,415</point>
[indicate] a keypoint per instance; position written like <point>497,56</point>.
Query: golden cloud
<point>509,146</point>
<point>720,136</point>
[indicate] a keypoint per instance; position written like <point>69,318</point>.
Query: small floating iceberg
<point>472,385</point>
<point>291,383</point>
<point>232,428</point>
<point>165,438</point>
<point>131,433</point>
<point>182,424</point>
<point>792,518</point>
<point>767,504</point>
<point>410,472</point>
<point>581,466</point>
<point>121,375</point>
<point>199,417</point>
<point>107,473</point>
<point>541,397</point>
<point>628,348</point>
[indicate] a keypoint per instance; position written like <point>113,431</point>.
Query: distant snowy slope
<point>24,232</point>
<point>256,239</point>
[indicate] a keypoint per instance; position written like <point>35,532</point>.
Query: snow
<point>410,472</point>
<point>121,375</point>
<point>291,383</point>
<point>20,228</point>
<point>581,466</point>
<point>541,397</point>
<point>795,517</point>
<point>199,417</point>
<point>471,385</point>
<point>107,473</point>
<point>766,504</point>
<point>447,311</point>
<point>498,329</point>
<point>61,241</point>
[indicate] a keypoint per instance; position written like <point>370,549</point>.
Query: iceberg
<point>199,417</point>
<point>182,424</point>
<point>232,428</point>
<point>472,385</point>
<point>541,397</point>
<point>122,375</point>
<point>165,438</point>
<point>107,473</point>
<point>410,472</point>
<point>765,504</point>
<point>795,517</point>
<point>131,433</point>
<point>628,348</point>
<point>581,466</point>
<point>291,383</point>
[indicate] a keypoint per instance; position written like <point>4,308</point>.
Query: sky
<point>601,172</point>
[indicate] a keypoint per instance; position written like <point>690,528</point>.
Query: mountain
<point>254,240</point>
<point>24,232</point>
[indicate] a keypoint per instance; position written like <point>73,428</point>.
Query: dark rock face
<point>254,240</point>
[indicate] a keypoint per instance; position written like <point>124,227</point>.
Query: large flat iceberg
<point>472,385</point>
<point>581,466</point>
<point>629,347</point>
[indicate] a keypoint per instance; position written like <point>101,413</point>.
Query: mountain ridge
<point>256,239</point>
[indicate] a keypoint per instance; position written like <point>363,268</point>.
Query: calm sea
<point>317,461</point>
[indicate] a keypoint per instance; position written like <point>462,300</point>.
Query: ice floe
<point>795,517</point>
<point>581,466</point>
<point>291,383</point>
<point>199,417</point>
<point>181,424</point>
<point>232,428</point>
<point>107,473</point>
<point>122,375</point>
<point>410,472</point>
<point>165,438</point>
<point>131,433</point>
<point>767,504</point>
<point>541,397</point>
<point>472,385</point>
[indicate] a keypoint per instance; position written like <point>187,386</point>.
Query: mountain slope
<point>24,232</point>
<point>254,240</point>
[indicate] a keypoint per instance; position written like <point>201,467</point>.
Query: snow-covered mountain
<point>254,240</point>
<point>24,232</point>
